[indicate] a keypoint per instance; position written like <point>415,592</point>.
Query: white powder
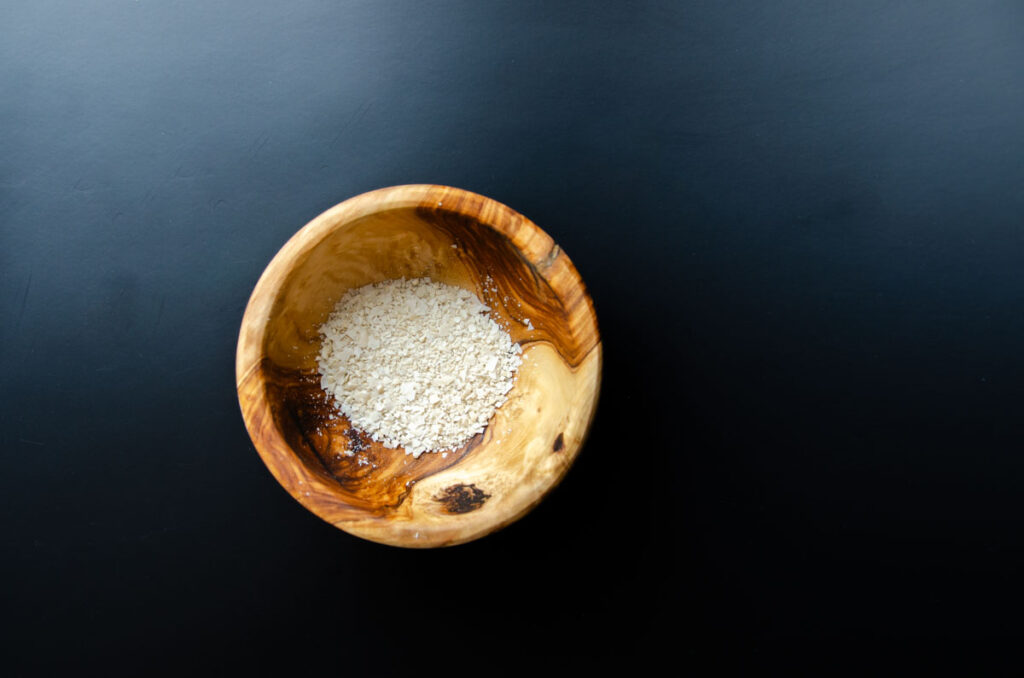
<point>416,364</point>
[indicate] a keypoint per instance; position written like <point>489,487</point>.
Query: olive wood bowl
<point>382,494</point>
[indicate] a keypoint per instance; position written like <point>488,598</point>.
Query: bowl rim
<point>529,239</point>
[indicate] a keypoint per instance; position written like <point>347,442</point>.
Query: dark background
<point>803,228</point>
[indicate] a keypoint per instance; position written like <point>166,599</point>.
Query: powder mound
<point>416,363</point>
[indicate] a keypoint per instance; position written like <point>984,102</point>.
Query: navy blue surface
<point>803,228</point>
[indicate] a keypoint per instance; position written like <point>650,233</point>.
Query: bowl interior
<point>361,485</point>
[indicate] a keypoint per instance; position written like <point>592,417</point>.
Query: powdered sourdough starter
<point>416,363</point>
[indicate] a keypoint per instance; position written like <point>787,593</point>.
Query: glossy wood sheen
<point>455,237</point>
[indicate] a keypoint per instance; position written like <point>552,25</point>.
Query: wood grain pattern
<point>455,237</point>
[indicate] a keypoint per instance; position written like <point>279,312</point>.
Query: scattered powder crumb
<point>416,363</point>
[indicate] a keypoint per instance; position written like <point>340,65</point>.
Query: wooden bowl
<point>383,494</point>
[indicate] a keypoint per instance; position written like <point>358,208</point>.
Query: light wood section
<point>382,494</point>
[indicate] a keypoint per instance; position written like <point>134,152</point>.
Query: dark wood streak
<point>490,255</point>
<point>462,498</point>
<point>559,443</point>
<point>375,477</point>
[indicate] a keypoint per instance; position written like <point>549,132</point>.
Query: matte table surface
<point>802,225</point>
